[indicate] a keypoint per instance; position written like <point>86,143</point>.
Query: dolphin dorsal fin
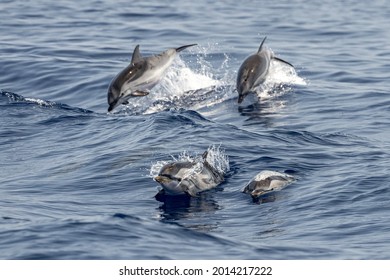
<point>261,45</point>
<point>136,55</point>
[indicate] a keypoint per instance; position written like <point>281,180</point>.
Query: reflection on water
<point>270,197</point>
<point>257,114</point>
<point>190,212</point>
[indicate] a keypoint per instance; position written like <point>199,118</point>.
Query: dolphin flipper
<point>139,93</point>
<point>184,47</point>
<point>283,61</point>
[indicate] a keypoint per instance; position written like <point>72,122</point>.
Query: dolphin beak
<point>114,104</point>
<point>111,107</point>
<point>242,95</point>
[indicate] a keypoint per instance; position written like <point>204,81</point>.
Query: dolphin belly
<point>261,70</point>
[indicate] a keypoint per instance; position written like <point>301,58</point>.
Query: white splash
<point>40,102</point>
<point>186,86</point>
<point>207,82</point>
<point>282,73</point>
<point>180,79</point>
<point>216,157</point>
<point>280,79</point>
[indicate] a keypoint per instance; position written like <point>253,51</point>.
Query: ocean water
<point>76,182</point>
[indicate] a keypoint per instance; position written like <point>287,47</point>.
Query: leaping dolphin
<point>254,70</point>
<point>140,76</point>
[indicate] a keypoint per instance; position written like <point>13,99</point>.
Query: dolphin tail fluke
<point>261,45</point>
<point>184,47</point>
<point>283,61</point>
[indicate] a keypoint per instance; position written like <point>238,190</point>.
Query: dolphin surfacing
<point>182,178</point>
<point>266,182</point>
<point>253,71</point>
<point>140,76</point>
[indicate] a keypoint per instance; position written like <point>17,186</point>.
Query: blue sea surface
<point>76,182</point>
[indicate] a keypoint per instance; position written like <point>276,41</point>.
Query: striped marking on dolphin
<point>254,70</point>
<point>140,76</point>
<point>267,181</point>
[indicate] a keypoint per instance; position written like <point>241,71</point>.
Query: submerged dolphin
<point>254,70</point>
<point>140,76</point>
<point>178,178</point>
<point>267,181</point>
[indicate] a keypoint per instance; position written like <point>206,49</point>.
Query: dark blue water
<point>75,182</point>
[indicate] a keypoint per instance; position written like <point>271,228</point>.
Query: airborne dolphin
<point>178,178</point>
<point>254,70</point>
<point>140,76</point>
